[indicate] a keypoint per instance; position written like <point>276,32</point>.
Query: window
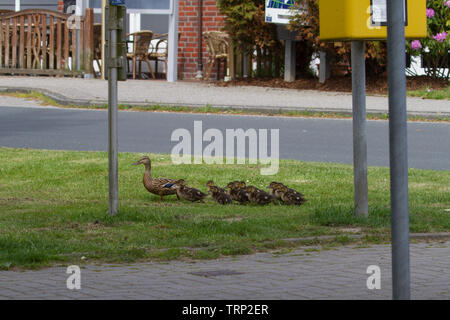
<point>140,6</point>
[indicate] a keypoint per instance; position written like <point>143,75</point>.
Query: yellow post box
<point>367,19</point>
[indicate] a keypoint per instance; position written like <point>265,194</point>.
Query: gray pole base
<point>112,128</point>
<point>325,70</point>
<point>398,151</point>
<point>289,61</point>
<point>361,201</point>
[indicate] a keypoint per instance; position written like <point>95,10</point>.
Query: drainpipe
<point>200,40</point>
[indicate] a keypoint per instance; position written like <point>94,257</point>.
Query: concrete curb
<point>66,101</point>
<point>412,236</point>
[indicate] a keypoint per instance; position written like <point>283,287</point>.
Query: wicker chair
<point>218,45</point>
<point>159,52</point>
<point>141,45</point>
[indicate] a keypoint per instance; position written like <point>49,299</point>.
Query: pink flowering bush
<point>440,37</point>
<point>435,48</point>
<point>416,45</point>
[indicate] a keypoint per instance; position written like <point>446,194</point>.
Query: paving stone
<point>331,274</point>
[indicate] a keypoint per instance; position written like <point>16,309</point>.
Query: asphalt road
<point>322,140</point>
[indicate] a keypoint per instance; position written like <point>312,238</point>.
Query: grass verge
<point>428,93</point>
<point>45,100</point>
<point>53,209</point>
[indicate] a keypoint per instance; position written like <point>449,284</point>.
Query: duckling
<point>219,195</point>
<point>211,183</point>
<point>185,192</point>
<point>296,193</point>
<point>258,196</point>
<point>155,185</point>
<point>274,188</point>
<point>237,191</point>
<point>290,196</point>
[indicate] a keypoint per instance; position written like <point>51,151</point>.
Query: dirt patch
<point>350,230</point>
<point>87,161</point>
<point>235,219</point>
<point>298,181</point>
<point>160,226</point>
<point>339,84</point>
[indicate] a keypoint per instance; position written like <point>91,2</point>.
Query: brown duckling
<point>185,192</point>
<point>155,185</point>
<point>274,188</point>
<point>258,196</point>
<point>219,195</point>
<point>237,191</point>
<point>290,196</point>
<point>211,183</point>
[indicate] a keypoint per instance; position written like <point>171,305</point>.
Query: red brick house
<point>192,13</point>
<point>188,26</point>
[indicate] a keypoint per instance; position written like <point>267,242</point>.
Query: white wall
<point>29,4</point>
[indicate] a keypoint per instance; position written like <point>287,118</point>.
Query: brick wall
<point>188,27</point>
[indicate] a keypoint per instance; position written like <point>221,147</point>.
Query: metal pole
<point>359,129</point>
<point>398,150</point>
<point>112,126</point>
<point>172,56</point>
<point>200,41</point>
<point>103,67</point>
<point>289,61</point>
<point>79,11</point>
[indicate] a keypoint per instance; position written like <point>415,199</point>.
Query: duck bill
<point>136,163</point>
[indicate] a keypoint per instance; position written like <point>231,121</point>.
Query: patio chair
<point>159,51</point>
<point>141,45</point>
<point>218,45</point>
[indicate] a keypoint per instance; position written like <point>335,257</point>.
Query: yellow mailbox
<point>367,19</point>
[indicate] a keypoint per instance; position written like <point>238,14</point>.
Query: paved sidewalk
<point>300,274</point>
<point>150,92</point>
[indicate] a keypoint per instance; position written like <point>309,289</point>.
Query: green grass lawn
<point>427,93</point>
<point>53,209</point>
<point>46,101</point>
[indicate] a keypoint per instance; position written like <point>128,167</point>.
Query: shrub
<point>307,24</point>
<point>245,24</point>
<point>434,49</point>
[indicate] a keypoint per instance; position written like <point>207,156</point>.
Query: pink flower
<point>416,45</point>
<point>430,13</point>
<point>440,37</point>
<point>447,3</point>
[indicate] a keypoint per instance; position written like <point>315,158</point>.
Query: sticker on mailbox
<point>379,12</point>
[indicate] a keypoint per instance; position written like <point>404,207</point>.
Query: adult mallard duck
<point>155,185</point>
<point>237,191</point>
<point>258,196</point>
<point>219,195</point>
<point>185,192</point>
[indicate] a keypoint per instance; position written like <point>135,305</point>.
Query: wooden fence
<point>37,41</point>
<point>269,62</point>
